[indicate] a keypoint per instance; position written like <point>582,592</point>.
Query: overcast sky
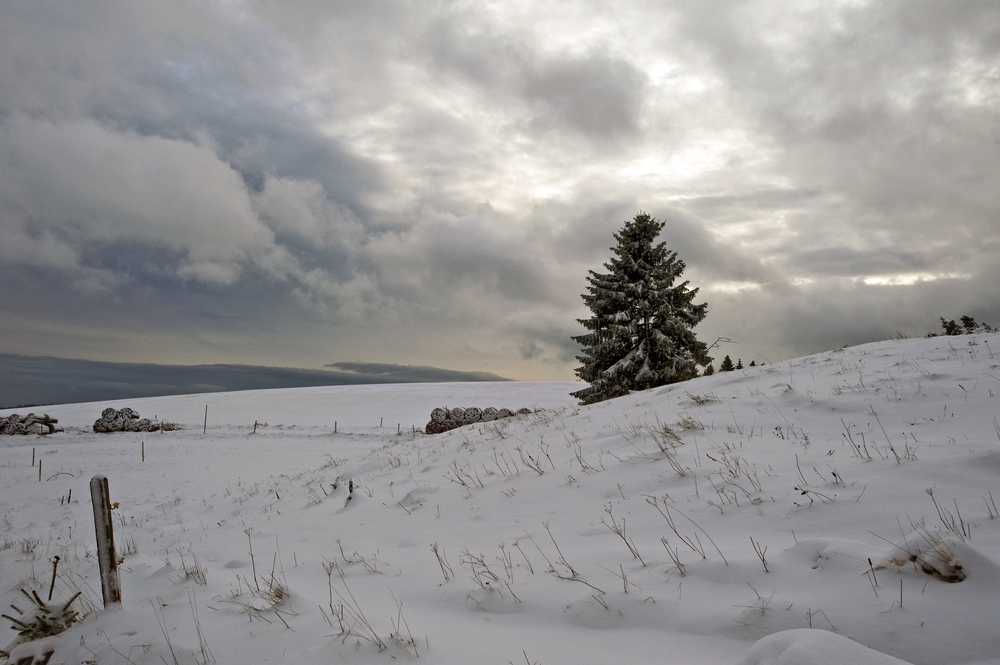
<point>299,183</point>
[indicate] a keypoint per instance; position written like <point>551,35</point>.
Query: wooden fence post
<point>110,582</point>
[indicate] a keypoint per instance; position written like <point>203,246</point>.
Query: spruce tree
<point>727,364</point>
<point>640,332</point>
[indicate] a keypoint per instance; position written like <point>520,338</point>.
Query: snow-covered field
<point>714,521</point>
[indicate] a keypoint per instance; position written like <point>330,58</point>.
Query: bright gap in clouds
<point>732,287</point>
<point>909,279</point>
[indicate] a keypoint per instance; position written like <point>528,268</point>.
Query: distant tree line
<point>727,365</point>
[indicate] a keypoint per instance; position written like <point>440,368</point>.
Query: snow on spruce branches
<point>640,332</point>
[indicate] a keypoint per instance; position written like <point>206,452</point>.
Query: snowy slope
<point>714,521</point>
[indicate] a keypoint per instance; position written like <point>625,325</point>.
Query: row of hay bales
<point>15,424</point>
<point>443,419</point>
<point>125,420</point>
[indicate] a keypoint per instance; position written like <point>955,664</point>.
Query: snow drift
<point>833,508</point>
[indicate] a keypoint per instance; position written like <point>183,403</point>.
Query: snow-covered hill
<point>714,521</point>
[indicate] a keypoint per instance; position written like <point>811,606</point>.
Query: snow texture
<point>776,514</point>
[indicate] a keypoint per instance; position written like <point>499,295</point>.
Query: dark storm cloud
<point>34,380</point>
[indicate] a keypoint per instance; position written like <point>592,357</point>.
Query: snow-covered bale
<point>125,420</point>
<point>443,420</point>
<point>15,424</point>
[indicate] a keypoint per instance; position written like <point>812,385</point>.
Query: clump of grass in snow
<point>443,562</point>
<point>193,571</point>
<point>929,552</point>
<point>761,603</point>
<point>695,543</point>
<point>350,617</point>
<point>41,620</point>
<point>959,527</point>
<point>702,400</point>
<point>484,576</point>
<point>620,532</point>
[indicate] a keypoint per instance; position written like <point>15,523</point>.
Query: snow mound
<point>811,646</point>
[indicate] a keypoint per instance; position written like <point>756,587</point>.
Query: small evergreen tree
<point>640,332</point>
<point>739,363</point>
<point>709,371</point>
<point>753,363</point>
<point>950,327</point>
<point>727,364</point>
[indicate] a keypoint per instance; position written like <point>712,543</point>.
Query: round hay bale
<point>439,415</point>
<point>473,414</point>
<point>504,413</point>
<point>125,420</point>
<point>146,425</point>
<point>489,413</point>
<point>457,414</point>
<point>12,425</point>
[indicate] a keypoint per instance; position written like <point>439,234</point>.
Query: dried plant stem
<point>760,553</point>
<point>666,512</point>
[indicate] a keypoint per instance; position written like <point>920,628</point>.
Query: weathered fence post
<point>101,498</point>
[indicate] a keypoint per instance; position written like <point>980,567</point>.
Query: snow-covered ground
<point>779,514</point>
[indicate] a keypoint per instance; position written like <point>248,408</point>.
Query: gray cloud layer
<point>37,380</point>
<point>280,183</point>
